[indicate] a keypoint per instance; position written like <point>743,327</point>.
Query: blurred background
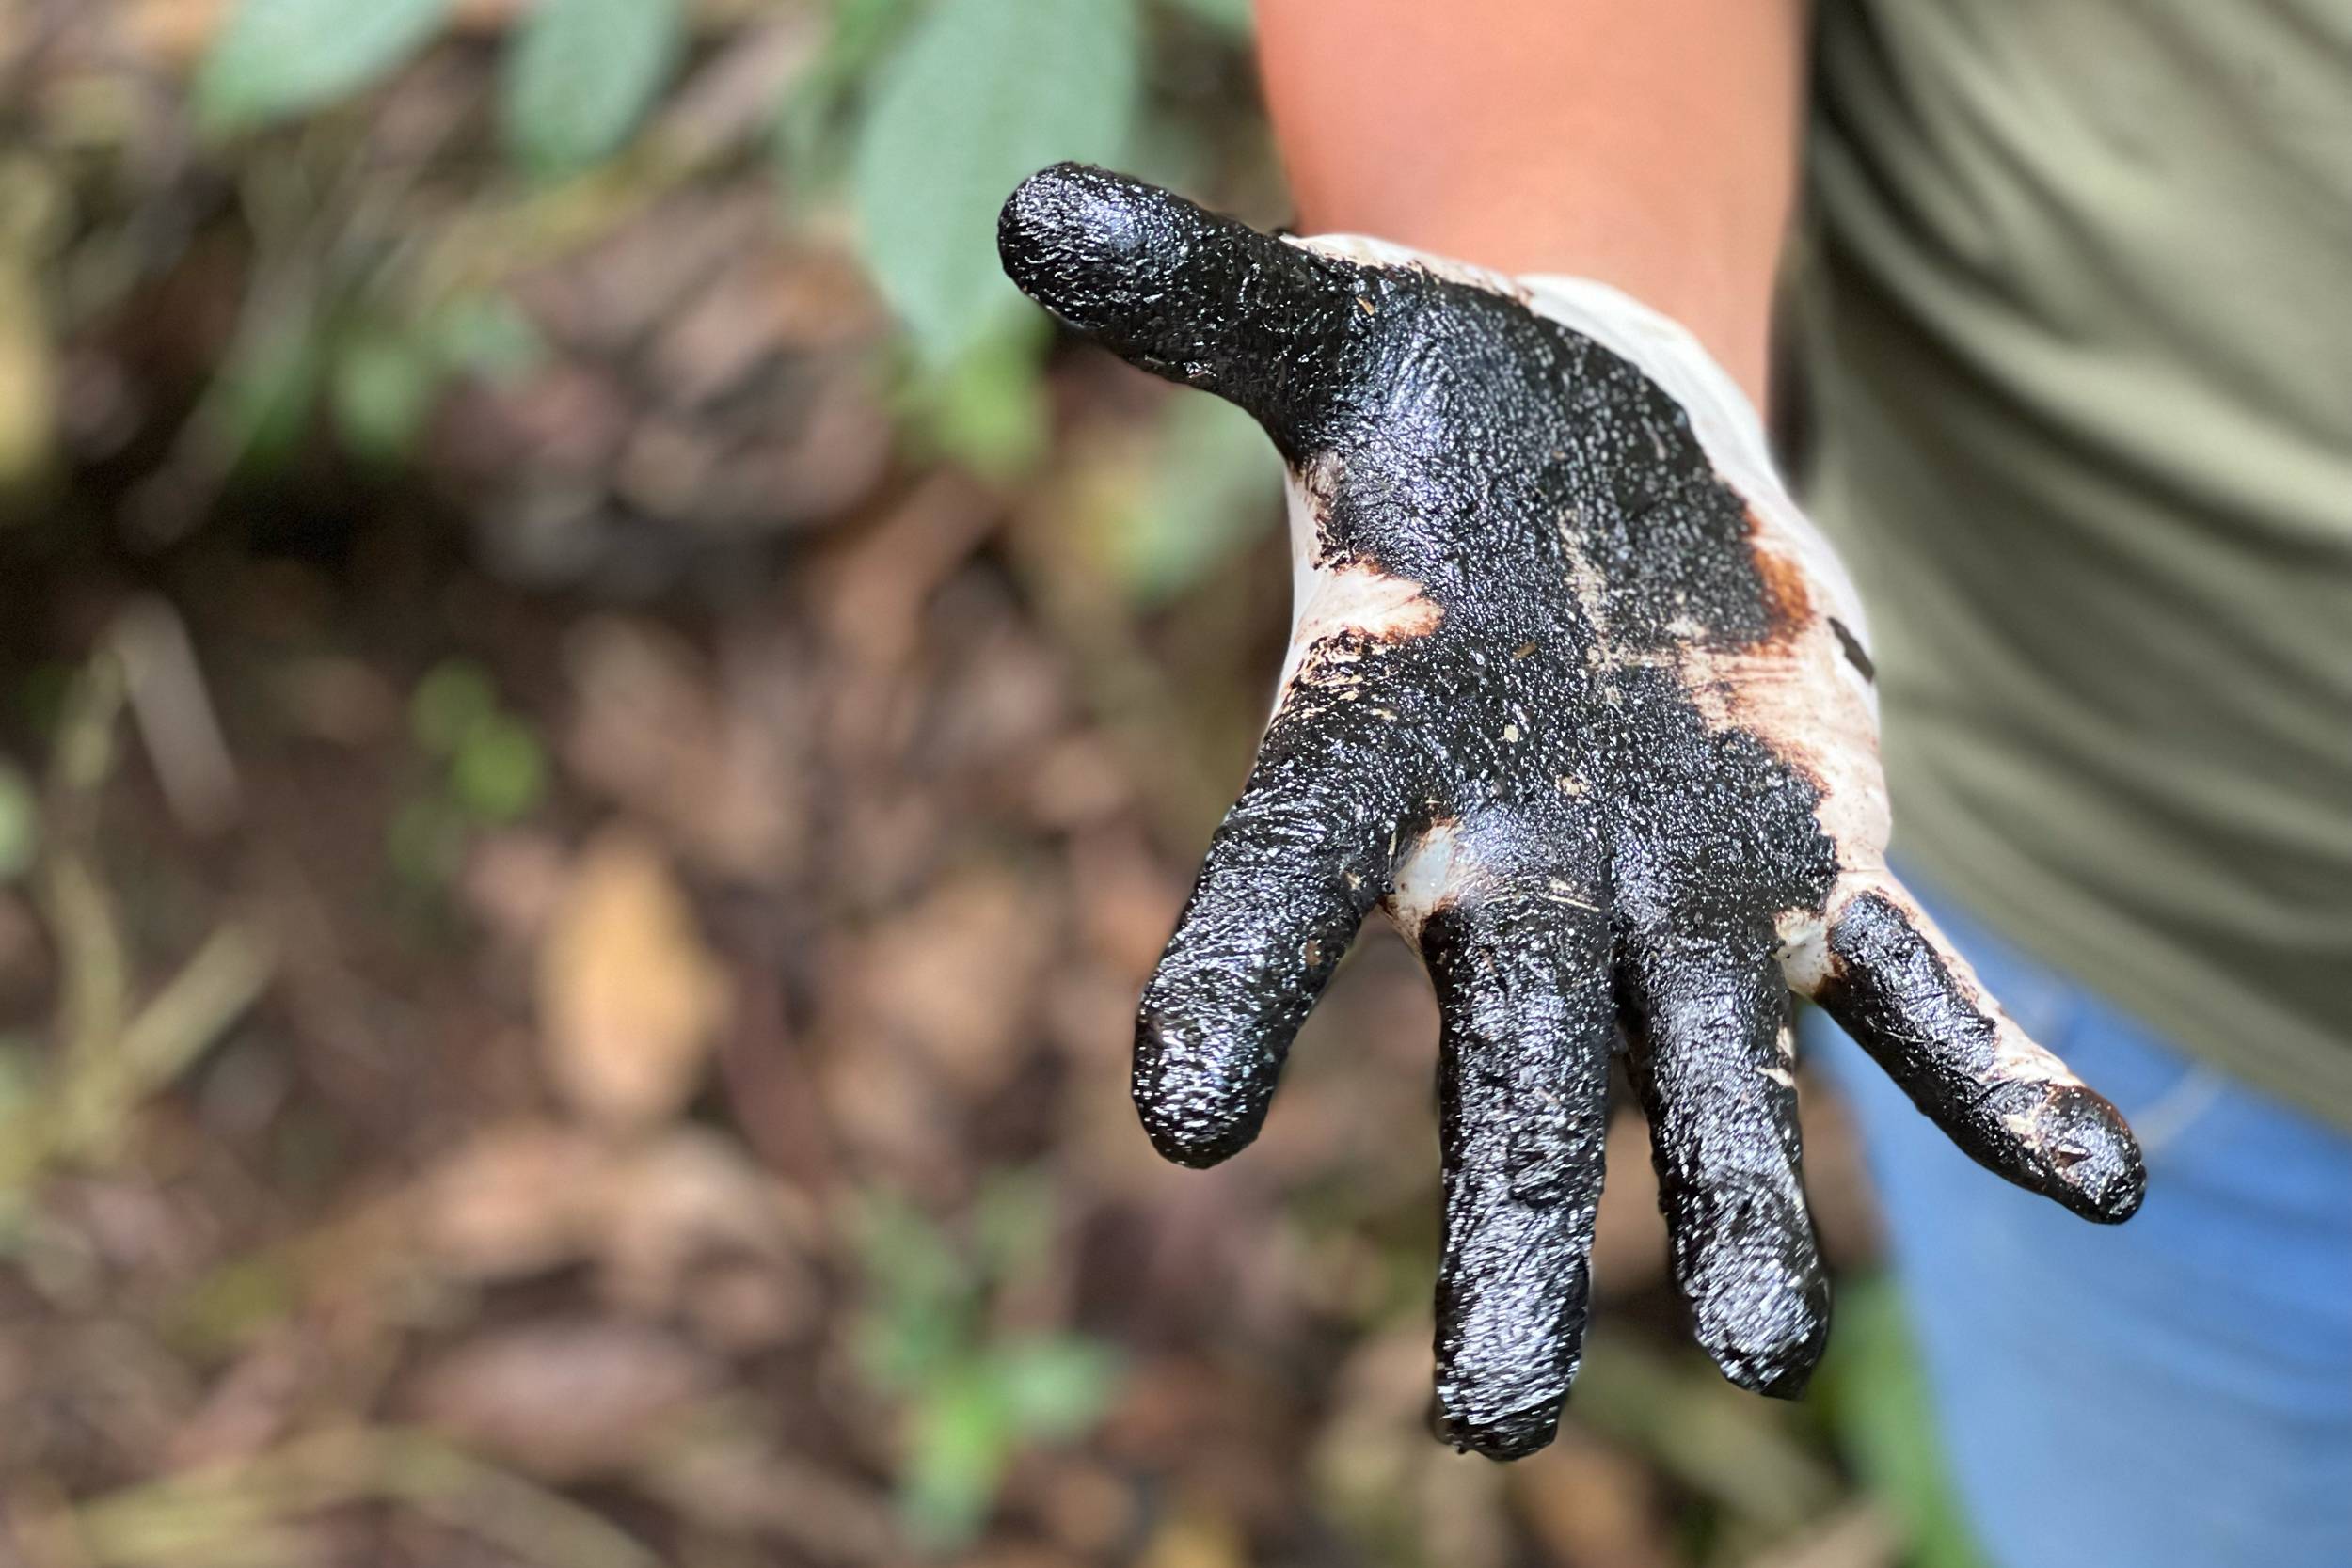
<point>599,728</point>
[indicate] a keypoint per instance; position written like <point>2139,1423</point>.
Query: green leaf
<point>280,57</point>
<point>455,697</point>
<point>500,771</point>
<point>269,389</point>
<point>1052,1389</point>
<point>981,94</point>
<point>957,1453</point>
<point>383,388</point>
<point>921,1297</point>
<point>807,121</point>
<point>988,409</point>
<point>1214,487</point>
<point>487,335</point>
<point>581,73</point>
<point>972,1419</point>
<point>1879,1402</point>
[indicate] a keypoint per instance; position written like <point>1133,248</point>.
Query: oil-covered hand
<point>1579,697</point>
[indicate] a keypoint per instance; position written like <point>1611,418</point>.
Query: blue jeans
<point>2174,1392</point>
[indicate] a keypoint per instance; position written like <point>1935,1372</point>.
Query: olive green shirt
<point>2080,343</point>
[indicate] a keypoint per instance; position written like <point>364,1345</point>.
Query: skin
<point>1585,720</point>
<point>1651,146</point>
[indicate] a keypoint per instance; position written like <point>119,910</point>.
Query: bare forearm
<point>1651,145</point>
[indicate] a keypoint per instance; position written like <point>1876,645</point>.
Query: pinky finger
<point>1879,966</point>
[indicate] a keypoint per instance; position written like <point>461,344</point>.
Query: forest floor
<point>565,1000</point>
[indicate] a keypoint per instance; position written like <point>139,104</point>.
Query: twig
<point>93,968</point>
<point>175,715</point>
<point>233,1510</point>
<point>195,1007</point>
<point>111,1056</point>
<point>1858,1536</point>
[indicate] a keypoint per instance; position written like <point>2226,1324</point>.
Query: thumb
<point>1181,292</point>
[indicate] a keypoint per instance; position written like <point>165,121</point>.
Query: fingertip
<point>1505,1436</point>
<point>1277,902</point>
<point>1776,1358</point>
<point>1065,223</point>
<point>1908,998</point>
<point>1172,287</point>
<point>1202,1100</point>
<point>2094,1162</point>
<point>1761,1302</point>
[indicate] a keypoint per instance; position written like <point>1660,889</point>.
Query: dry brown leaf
<point>1090,1508</point>
<point>689,1197</point>
<point>631,1001</point>
<point>563,1399</point>
<point>1078,783</point>
<point>250,1405</point>
<point>882,1105</point>
<point>730,1481</point>
<point>1591,1505</point>
<point>1127,901</point>
<point>510,1202</point>
<point>340,700</point>
<point>955,977</point>
<point>176,31</point>
<point>874,591</point>
<point>686,1223</point>
<point>651,729</point>
<point>743,1309</point>
<point>514,881</point>
<point>1860,1535</point>
<point>1196,1537</point>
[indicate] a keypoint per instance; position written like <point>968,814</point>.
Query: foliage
<point>582,74</point>
<point>923,766</point>
<point>811,143</point>
<point>933,109</point>
<point>282,57</point>
<point>987,409</point>
<point>1209,491</point>
<point>1877,1395</point>
<point>488,769</point>
<point>974,1395</point>
<point>980,93</point>
<point>385,375</point>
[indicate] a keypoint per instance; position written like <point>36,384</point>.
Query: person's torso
<point>2082,320</point>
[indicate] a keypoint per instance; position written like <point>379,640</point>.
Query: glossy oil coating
<point>1579,714</point>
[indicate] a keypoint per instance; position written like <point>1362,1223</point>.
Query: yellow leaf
<point>630,1000</point>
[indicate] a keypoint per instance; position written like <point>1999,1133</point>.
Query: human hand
<point>1578,696</point>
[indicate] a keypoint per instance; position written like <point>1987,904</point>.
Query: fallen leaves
<point>563,1399</point>
<point>954,979</point>
<point>715,771</point>
<point>652,1216</point>
<point>509,1203</point>
<point>899,795</point>
<point>630,1000</point>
